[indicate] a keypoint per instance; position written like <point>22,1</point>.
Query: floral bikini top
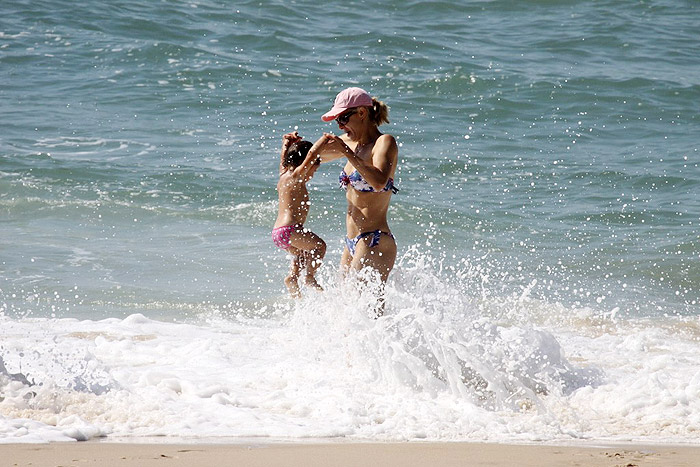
<point>360,184</point>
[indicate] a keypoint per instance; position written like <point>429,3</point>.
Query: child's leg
<point>292,280</point>
<point>311,265</point>
<point>314,248</point>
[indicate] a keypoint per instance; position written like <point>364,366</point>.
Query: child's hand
<point>291,138</point>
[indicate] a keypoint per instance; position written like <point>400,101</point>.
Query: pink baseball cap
<point>347,99</point>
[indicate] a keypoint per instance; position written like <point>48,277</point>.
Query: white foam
<point>442,364</point>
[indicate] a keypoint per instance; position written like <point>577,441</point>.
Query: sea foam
<point>443,363</point>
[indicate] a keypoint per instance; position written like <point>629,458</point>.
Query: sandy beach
<point>106,454</point>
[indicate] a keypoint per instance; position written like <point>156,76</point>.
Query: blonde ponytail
<point>379,112</point>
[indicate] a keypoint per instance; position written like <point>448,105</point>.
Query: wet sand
<point>342,454</point>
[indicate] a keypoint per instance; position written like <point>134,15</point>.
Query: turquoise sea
<point>548,222</point>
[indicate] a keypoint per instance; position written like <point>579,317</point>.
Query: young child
<point>298,163</point>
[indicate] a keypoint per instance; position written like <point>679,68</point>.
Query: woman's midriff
<point>367,212</point>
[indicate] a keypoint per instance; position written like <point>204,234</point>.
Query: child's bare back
<point>293,199</point>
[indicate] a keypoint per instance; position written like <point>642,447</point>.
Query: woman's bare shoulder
<point>385,140</point>
<point>386,144</point>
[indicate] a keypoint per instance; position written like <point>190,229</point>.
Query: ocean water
<point>548,222</point>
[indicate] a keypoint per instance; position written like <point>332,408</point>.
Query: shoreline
<point>254,453</point>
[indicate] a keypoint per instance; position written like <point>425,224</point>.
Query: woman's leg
<point>380,257</point>
<point>345,261</point>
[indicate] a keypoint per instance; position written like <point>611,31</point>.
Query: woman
<point>368,178</point>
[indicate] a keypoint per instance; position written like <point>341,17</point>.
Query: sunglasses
<point>345,118</point>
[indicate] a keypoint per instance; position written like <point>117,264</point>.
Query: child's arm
<point>310,164</point>
<point>287,140</point>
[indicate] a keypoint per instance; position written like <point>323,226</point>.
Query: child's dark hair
<point>296,153</point>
